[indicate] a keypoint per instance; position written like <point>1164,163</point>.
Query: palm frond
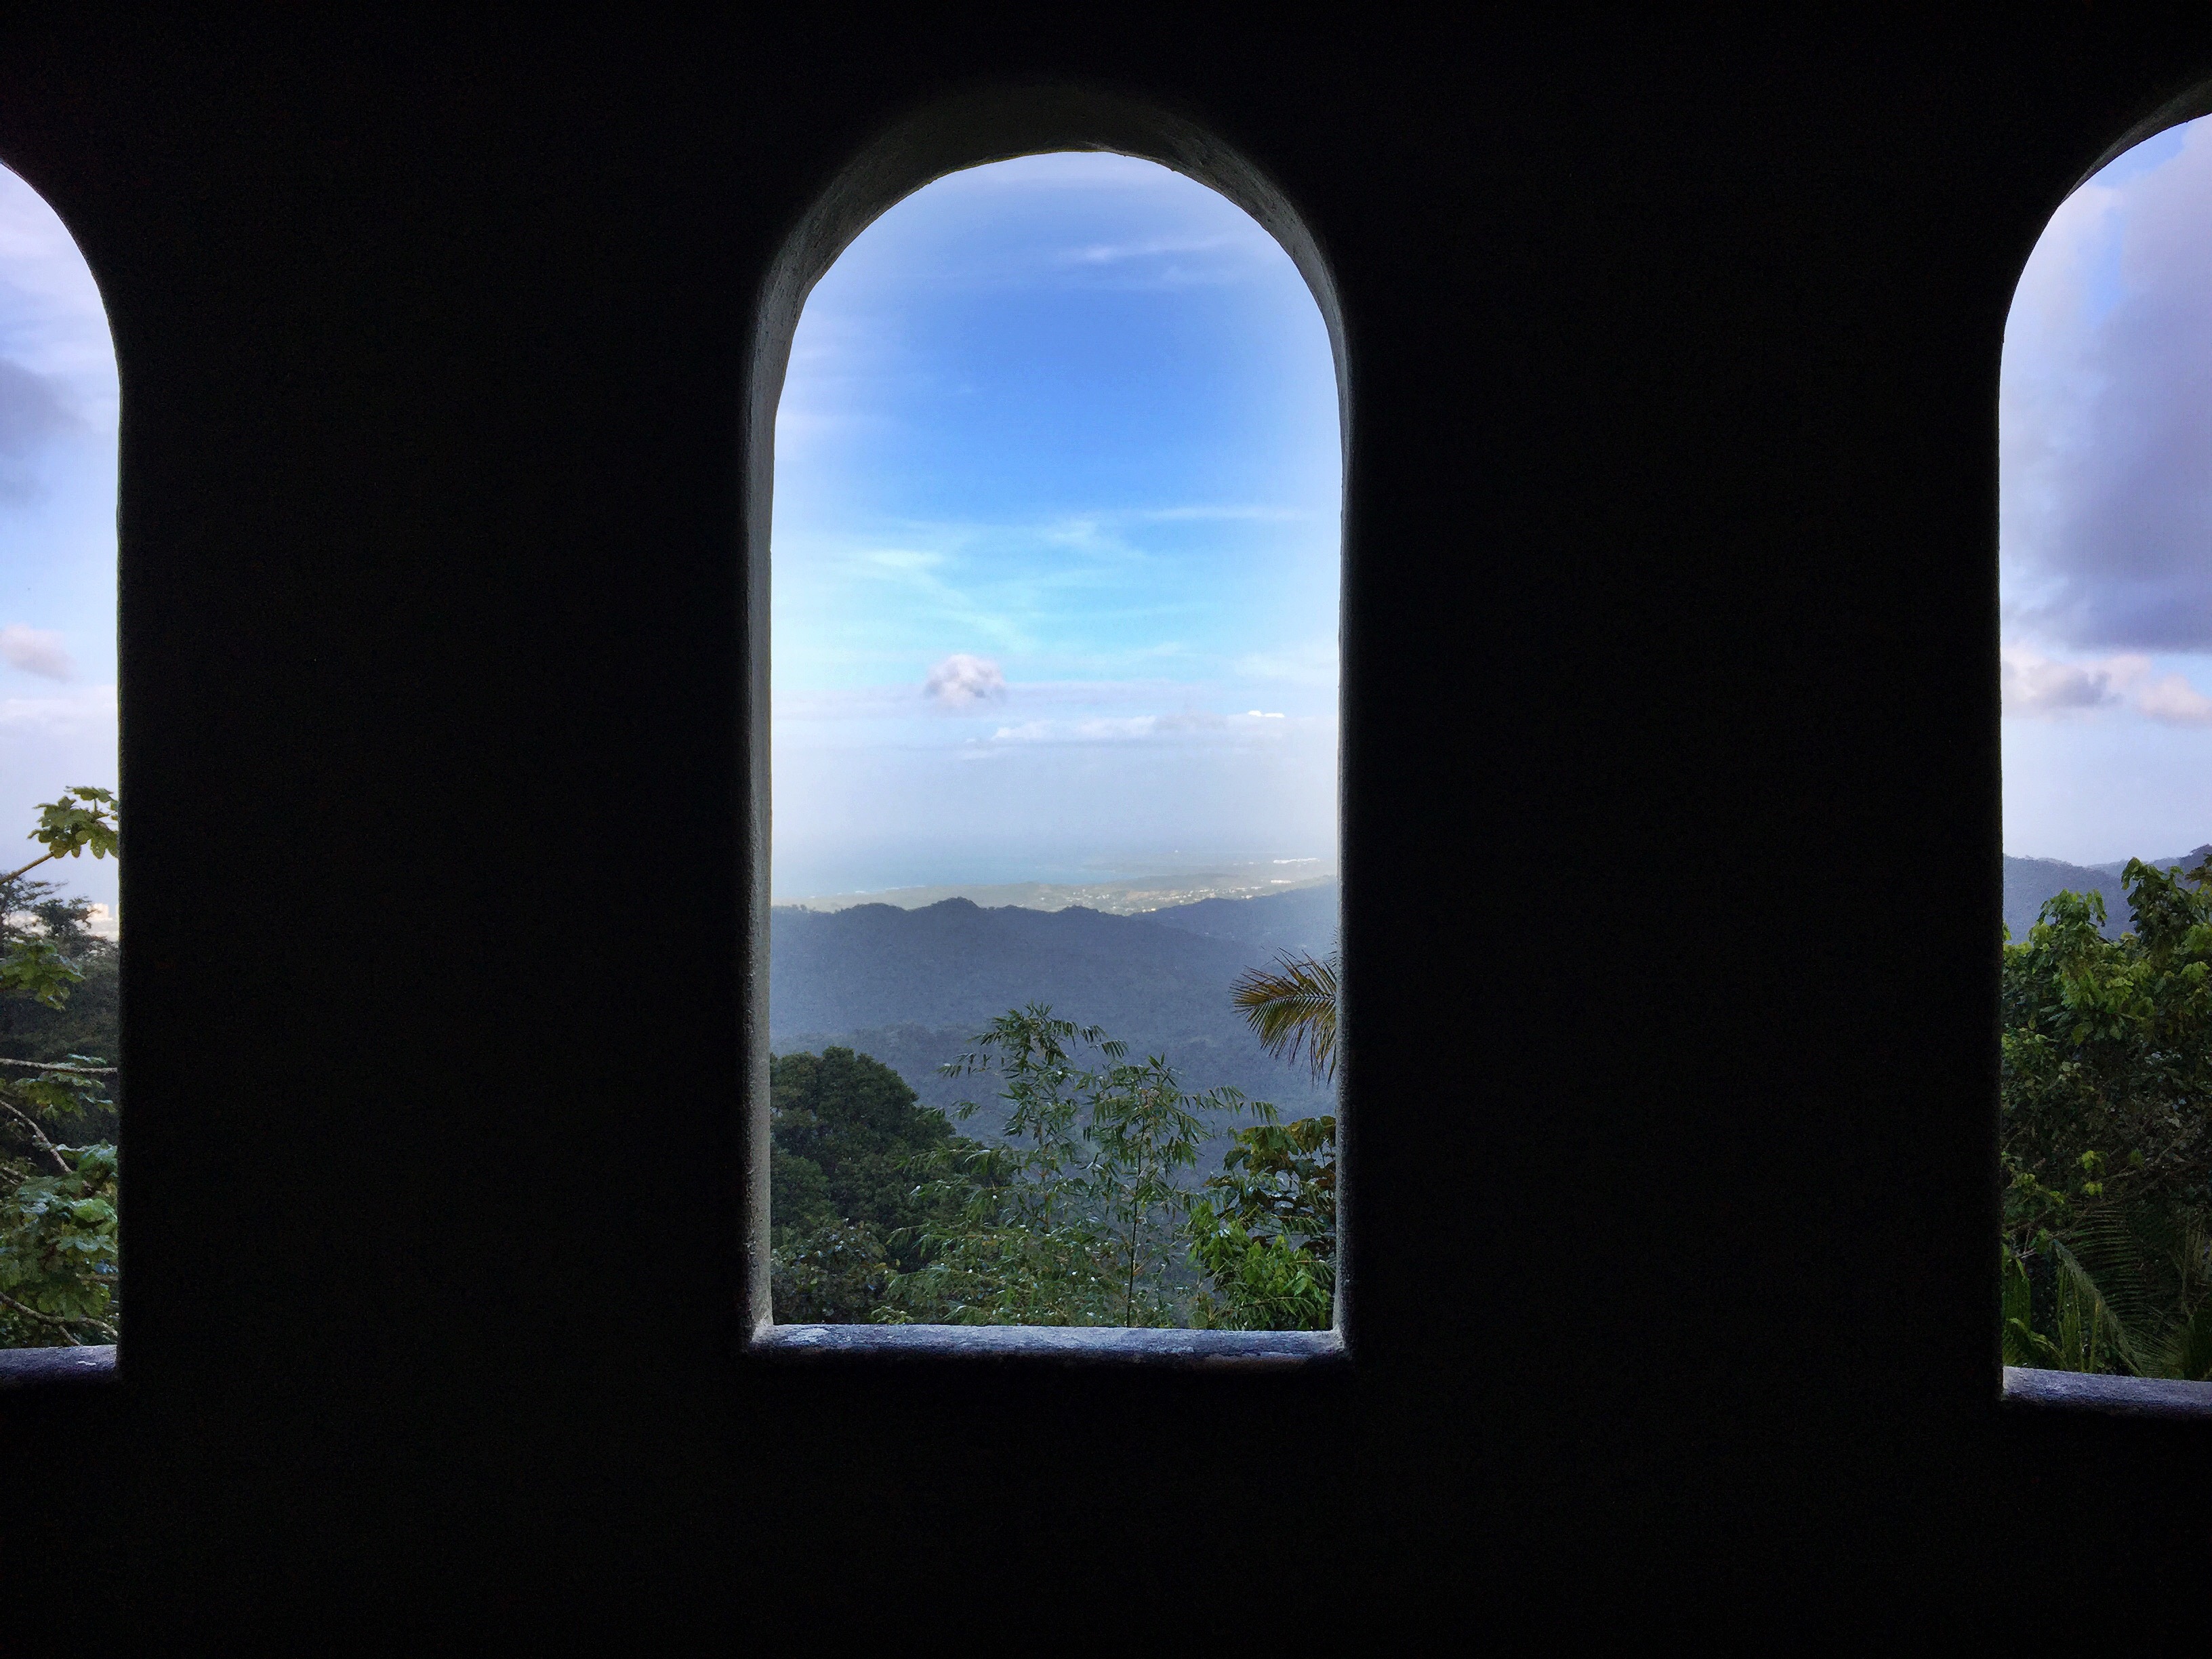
<point>1292,1009</point>
<point>2091,1330</point>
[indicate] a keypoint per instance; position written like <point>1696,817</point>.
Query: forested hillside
<point>60,1094</point>
<point>912,987</point>
<point>2030,883</point>
<point>1304,920</point>
<point>2106,1049</point>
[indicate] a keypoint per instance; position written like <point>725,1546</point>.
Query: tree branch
<point>63,1320</point>
<point>39,1135</point>
<point>32,865</point>
<point>61,1066</point>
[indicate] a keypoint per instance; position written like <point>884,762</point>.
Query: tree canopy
<point>2106,1072</point>
<point>60,1281</point>
<point>1087,1210</point>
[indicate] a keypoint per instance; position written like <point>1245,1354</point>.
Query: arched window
<point>59,910</point>
<point>2107,651</point>
<point>1056,561</point>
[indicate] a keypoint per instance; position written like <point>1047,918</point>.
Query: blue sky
<point>2105,450</point>
<point>1056,533</point>
<point>57,411</point>
<point>1056,543</point>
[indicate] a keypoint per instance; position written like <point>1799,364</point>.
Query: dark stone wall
<point>1671,536</point>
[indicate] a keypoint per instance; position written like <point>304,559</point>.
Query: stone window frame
<point>971,129</point>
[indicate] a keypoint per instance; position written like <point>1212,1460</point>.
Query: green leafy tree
<point>833,1272</point>
<point>843,1207</point>
<point>1082,1217</point>
<point>857,1122</point>
<point>59,1279</point>
<point>58,980</point>
<point>1088,1211</point>
<point>83,820</point>
<point>1266,1233</point>
<point>2106,1074</point>
<point>1013,1243</point>
<point>1267,1242</point>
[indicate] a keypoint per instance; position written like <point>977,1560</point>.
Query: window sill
<point>23,1368</point>
<point>2109,1396</point>
<point>1245,1351</point>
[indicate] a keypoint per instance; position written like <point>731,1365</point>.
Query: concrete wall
<point>1671,544</point>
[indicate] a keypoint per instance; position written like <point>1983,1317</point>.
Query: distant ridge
<point>1131,896</point>
<point>1302,920</point>
<point>910,987</point>
<point>2031,883</point>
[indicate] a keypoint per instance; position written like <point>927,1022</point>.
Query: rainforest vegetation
<point>59,1103</point>
<point>1085,1210</point>
<point>2106,1074</point>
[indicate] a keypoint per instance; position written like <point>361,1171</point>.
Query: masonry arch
<point>967,131</point>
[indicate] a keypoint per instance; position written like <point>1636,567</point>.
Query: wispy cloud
<point>52,325</point>
<point>1217,514</point>
<point>1019,586</point>
<point>1106,728</point>
<point>1149,247</point>
<point>1165,262</point>
<point>36,651</point>
<point>1311,662</point>
<point>91,708</point>
<point>1005,440</point>
<point>1061,701</point>
<point>1185,725</point>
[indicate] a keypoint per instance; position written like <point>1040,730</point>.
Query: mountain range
<point>2029,883</point>
<point>913,986</point>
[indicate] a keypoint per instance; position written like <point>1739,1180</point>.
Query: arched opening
<point>2105,562</point>
<point>1056,556</point>
<point>60,928</point>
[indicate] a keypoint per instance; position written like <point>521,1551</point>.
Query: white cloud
<point>2176,702</point>
<point>2106,431</point>
<point>963,682</point>
<point>1139,728</point>
<point>35,651</point>
<point>2037,687</point>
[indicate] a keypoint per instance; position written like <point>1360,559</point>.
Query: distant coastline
<point>1131,896</point>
